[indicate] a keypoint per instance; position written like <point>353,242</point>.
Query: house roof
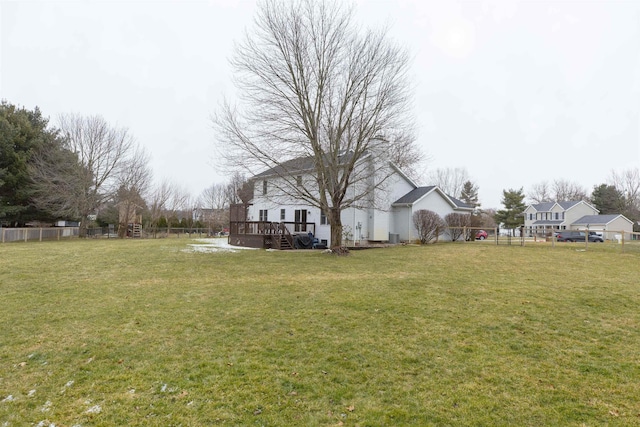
<point>543,207</point>
<point>418,193</point>
<point>599,219</point>
<point>300,164</point>
<point>547,206</point>
<point>460,203</point>
<point>569,204</point>
<point>414,195</point>
<point>307,164</point>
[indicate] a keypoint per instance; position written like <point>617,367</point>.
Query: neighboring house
<point>611,226</point>
<point>544,218</point>
<point>385,214</point>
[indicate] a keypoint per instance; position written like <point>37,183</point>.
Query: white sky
<point>515,92</point>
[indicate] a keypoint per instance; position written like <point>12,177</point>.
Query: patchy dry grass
<point>145,333</point>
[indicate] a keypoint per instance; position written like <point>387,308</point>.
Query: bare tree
<point>93,154</point>
<point>158,202</point>
<point>456,223</point>
<point>428,224</point>
<point>181,204</point>
<point>627,182</point>
<point>449,180</point>
<point>239,190</point>
<point>314,87</point>
<point>568,190</point>
<point>540,193</point>
<point>487,218</point>
<point>558,191</point>
<point>133,182</point>
<point>405,154</point>
<point>214,202</point>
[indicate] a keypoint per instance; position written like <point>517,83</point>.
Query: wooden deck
<point>268,235</point>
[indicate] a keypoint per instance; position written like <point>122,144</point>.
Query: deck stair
<point>280,236</point>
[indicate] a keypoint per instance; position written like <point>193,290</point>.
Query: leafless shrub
<point>428,225</point>
<point>455,225</point>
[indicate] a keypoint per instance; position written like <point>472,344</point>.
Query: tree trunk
<point>82,228</point>
<point>336,227</point>
<point>122,230</point>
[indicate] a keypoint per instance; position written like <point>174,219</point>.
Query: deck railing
<point>268,227</point>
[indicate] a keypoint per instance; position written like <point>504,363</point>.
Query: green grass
<point>141,332</point>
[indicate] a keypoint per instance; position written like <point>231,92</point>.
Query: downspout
<point>353,228</point>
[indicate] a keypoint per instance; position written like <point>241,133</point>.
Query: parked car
<point>577,236</point>
<point>481,235</point>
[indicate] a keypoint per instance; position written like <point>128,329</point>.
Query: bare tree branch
<point>449,180</point>
<point>540,193</point>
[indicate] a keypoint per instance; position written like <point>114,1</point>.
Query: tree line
<point>86,170</point>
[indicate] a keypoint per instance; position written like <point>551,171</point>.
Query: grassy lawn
<point>145,332</point>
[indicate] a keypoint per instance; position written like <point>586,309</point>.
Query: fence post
<point>586,238</point>
<point>40,234</point>
<point>622,241</point>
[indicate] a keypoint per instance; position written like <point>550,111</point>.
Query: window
<point>323,218</point>
<point>264,187</point>
<point>299,180</point>
<point>282,214</point>
<point>263,214</point>
<point>557,215</point>
<point>530,216</point>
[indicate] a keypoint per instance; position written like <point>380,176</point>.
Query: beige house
<point>542,219</point>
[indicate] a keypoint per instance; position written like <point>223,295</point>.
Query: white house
<point>385,214</point>
<point>431,198</point>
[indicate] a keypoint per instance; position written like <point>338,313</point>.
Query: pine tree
<point>512,214</point>
<point>469,195</point>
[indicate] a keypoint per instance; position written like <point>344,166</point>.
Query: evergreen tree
<point>607,199</point>
<point>512,214</point>
<point>22,133</point>
<point>469,195</point>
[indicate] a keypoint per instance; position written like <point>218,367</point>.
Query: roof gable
<point>414,195</point>
<point>419,193</point>
<point>543,207</point>
<point>600,219</point>
<point>566,204</point>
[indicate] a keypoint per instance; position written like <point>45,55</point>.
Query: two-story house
<point>384,214</point>
<point>542,219</point>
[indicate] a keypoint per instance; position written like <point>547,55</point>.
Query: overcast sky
<point>515,92</point>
